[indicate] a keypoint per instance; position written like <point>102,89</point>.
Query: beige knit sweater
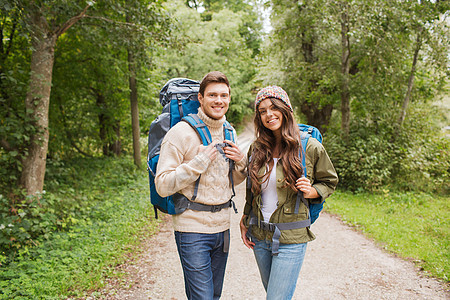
<point>180,164</point>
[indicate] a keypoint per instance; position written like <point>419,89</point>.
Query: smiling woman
<point>276,222</point>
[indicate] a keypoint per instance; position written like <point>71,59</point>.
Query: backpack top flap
<point>178,86</point>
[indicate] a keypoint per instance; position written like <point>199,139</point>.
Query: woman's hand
<point>244,237</point>
<point>233,152</point>
<point>303,184</point>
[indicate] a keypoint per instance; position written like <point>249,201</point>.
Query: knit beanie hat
<point>273,91</point>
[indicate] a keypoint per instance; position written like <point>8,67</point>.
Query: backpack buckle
<point>216,208</point>
<point>267,226</point>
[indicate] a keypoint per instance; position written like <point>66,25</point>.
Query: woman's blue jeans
<point>203,261</point>
<point>279,273</point>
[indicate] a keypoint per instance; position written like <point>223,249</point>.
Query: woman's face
<point>271,117</point>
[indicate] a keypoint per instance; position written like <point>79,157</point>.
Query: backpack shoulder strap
<point>304,137</point>
<point>200,127</point>
<point>228,131</point>
<point>203,132</point>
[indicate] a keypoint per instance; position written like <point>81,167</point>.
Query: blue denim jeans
<point>279,273</point>
<point>203,261</point>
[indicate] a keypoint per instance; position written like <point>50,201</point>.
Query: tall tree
<point>423,26</point>
<point>136,132</point>
<point>301,58</point>
<point>134,106</point>
<point>323,51</point>
<point>345,68</point>
<point>412,74</point>
<point>85,87</point>
<point>46,26</point>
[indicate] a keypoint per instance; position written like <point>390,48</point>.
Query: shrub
<point>368,161</point>
<point>364,163</point>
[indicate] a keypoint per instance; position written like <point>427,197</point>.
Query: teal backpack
<point>180,103</point>
<point>307,131</point>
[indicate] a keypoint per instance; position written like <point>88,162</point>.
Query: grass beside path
<point>414,226</point>
<point>106,213</point>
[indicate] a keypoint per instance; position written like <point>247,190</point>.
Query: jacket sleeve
<point>173,172</point>
<point>325,178</point>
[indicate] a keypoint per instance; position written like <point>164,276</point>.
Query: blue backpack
<point>179,98</point>
<point>307,131</point>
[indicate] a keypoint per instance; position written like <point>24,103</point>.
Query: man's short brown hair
<point>213,77</point>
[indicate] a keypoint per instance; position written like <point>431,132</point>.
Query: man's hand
<point>209,150</point>
<point>233,152</point>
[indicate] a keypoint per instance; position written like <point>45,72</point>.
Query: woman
<point>274,181</point>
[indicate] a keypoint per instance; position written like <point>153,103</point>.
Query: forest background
<point>79,85</point>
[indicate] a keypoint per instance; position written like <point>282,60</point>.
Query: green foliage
<point>25,223</point>
<point>304,55</point>
<point>415,158</point>
<point>424,163</point>
<point>90,96</point>
<point>364,163</point>
<point>89,104</point>
<point>215,44</point>
<point>413,225</point>
<point>93,212</point>
<point>249,29</point>
<point>15,126</point>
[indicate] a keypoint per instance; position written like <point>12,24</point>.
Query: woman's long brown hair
<point>262,152</point>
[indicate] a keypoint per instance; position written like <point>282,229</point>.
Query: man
<point>202,237</point>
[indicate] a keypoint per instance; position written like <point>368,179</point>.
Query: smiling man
<point>202,236</point>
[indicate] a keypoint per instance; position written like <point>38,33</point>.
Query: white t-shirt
<point>269,193</point>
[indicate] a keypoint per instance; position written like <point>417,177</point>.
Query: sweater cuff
<point>203,160</point>
<point>242,164</point>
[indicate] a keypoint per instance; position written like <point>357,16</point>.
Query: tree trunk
<point>37,104</point>
<point>134,110</point>
<point>115,147</point>
<point>110,146</point>
<point>43,40</point>
<point>102,121</point>
<point>407,99</point>
<point>345,70</point>
<point>317,117</point>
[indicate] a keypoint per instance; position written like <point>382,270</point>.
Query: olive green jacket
<point>323,176</point>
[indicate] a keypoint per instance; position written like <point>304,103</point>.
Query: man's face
<point>215,100</point>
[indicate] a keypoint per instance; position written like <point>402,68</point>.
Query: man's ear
<point>200,99</point>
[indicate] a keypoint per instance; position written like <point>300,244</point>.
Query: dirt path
<point>340,264</point>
